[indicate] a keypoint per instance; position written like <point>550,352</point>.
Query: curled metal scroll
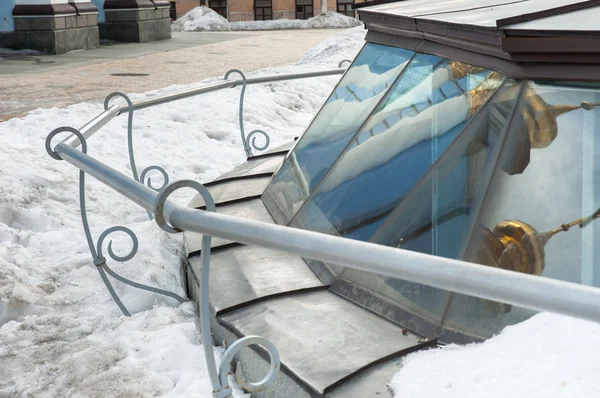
<point>251,138</point>
<point>96,250</point>
<point>342,62</point>
<point>130,147</point>
<point>218,379</point>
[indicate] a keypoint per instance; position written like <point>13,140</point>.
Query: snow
<point>544,357</point>
<point>8,51</point>
<point>200,19</point>
<point>60,332</point>
<point>205,19</point>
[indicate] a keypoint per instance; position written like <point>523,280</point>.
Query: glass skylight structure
<point>430,154</point>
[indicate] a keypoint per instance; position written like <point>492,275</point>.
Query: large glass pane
<point>540,215</point>
<point>420,117</point>
<point>385,190</point>
<point>365,83</point>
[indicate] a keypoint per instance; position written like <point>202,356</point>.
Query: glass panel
<point>384,188</point>
<point>546,181</point>
<point>359,91</point>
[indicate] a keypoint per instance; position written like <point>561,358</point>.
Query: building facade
<point>259,10</point>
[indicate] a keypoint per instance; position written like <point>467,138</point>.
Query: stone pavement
<point>31,82</point>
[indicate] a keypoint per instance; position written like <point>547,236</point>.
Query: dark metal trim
<point>519,71</point>
<point>321,270</point>
<point>232,201</point>
<point>401,353</point>
<point>547,13</point>
<point>384,308</point>
<point>235,178</point>
<point>245,304</point>
<point>268,155</point>
<point>373,3</point>
<point>215,248</point>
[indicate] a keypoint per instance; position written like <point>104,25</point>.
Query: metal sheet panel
<point>246,273</point>
<point>260,165</point>
<point>489,15</point>
<point>321,337</point>
<point>581,20</point>
<point>253,209</point>
<point>372,383</point>
<point>418,8</point>
<point>233,190</point>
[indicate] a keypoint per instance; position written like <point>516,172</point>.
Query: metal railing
<point>528,291</point>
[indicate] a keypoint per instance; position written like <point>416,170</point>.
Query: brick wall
<point>284,9</point>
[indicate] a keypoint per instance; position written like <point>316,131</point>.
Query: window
<point>345,7</point>
<point>263,10</point>
<point>356,95</point>
<point>173,11</point>
<point>304,9</point>
<point>219,6</point>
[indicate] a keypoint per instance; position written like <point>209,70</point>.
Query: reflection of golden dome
<point>517,246</point>
<point>540,118</point>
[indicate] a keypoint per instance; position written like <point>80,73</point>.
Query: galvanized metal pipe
<point>523,290</point>
<point>93,125</point>
<point>162,99</point>
<point>102,119</point>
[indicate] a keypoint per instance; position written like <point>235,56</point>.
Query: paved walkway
<point>31,82</point>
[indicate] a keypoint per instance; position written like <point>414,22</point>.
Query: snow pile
<point>200,19</point>
<point>60,332</point>
<point>332,20</point>
<point>205,19</point>
<point>546,356</point>
<point>343,46</point>
<point>327,20</point>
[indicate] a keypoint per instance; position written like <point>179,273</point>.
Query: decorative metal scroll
<point>249,140</point>
<point>96,250</point>
<point>219,381</point>
<point>141,177</point>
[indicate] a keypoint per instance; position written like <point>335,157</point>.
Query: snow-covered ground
<point>548,356</point>
<point>205,19</point>
<point>60,332</point>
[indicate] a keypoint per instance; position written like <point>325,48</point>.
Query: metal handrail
<point>523,290</point>
<point>103,118</point>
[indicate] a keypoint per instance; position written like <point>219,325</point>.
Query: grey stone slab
<point>110,16</point>
<point>256,166</point>
<point>226,191</point>
<point>240,274</point>
<point>127,16</point>
<point>321,337</point>
<point>252,209</point>
<point>61,23</point>
<point>22,24</point>
<point>154,30</point>
<point>71,22</point>
<point>76,39</point>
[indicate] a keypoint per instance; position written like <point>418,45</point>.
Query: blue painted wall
<point>6,18</point>
<point>100,5</point>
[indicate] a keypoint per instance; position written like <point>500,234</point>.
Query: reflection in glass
<point>416,170</point>
<point>365,83</point>
<point>539,214</point>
